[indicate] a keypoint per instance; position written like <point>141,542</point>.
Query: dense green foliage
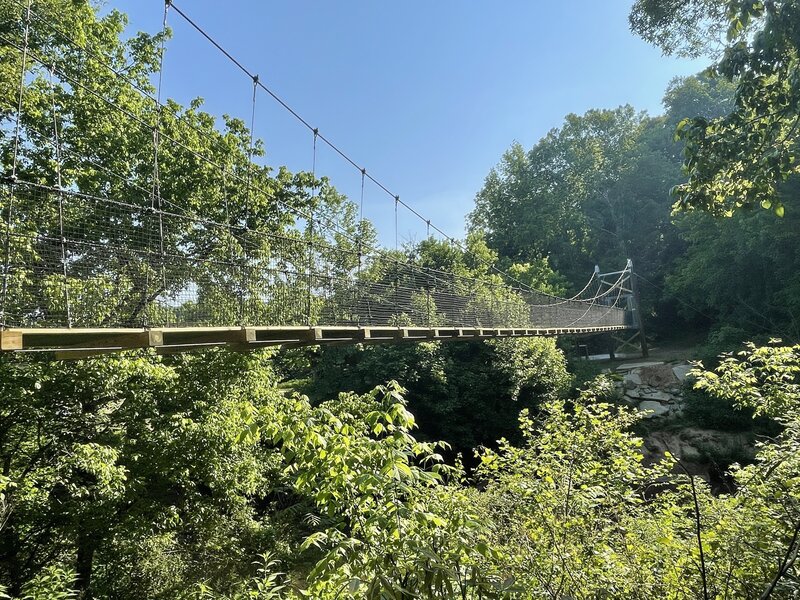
<point>136,476</point>
<point>742,271</point>
<point>134,465</point>
<point>559,200</point>
<point>467,394</point>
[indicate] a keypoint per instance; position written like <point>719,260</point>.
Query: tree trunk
<point>83,563</point>
<point>9,554</point>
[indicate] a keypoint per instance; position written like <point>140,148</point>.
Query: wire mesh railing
<point>79,260</point>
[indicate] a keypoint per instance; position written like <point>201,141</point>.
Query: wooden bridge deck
<point>84,342</point>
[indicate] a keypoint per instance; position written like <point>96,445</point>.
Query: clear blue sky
<point>427,95</point>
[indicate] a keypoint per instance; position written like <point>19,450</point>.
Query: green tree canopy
<point>740,159</point>
<point>558,199</point>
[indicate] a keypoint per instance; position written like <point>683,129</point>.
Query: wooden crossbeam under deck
<point>84,342</point>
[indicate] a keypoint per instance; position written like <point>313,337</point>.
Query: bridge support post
<point>629,283</point>
<point>637,308</point>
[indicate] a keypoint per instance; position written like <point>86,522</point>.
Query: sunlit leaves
<point>398,523</point>
<point>739,160</point>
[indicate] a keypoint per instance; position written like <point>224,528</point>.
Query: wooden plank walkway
<point>81,343</point>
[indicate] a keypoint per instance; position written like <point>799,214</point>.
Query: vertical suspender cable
<point>246,228</point>
<point>361,205</point>
<point>230,236</point>
<point>17,123</point>
<point>396,266</point>
<point>360,248</point>
<point>60,187</point>
<point>428,280</point>
<point>396,202</point>
<point>156,202</point>
<point>310,246</point>
<point>15,163</point>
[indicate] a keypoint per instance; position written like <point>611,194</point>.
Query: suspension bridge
<point>163,231</point>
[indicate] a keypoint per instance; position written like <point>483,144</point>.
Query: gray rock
<point>653,409</point>
<point>657,396</point>
<point>649,394</point>
<point>639,365</point>
<point>681,371</point>
<point>631,380</point>
<point>659,376</point>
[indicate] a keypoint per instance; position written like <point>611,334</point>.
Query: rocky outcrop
<point>653,387</point>
<point>698,451</point>
<point>656,389</point>
<point>653,408</point>
<point>693,446</point>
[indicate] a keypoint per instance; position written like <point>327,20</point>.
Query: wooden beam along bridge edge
<point>75,343</point>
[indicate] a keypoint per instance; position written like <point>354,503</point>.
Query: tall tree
<point>557,199</point>
<point>603,193</point>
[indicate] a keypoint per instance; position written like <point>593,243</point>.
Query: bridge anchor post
<point>637,311</point>
<point>628,280</point>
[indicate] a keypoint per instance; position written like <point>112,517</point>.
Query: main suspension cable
<point>336,148</point>
<point>158,136</point>
<point>160,107</point>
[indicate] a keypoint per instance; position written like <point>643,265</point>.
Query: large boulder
<point>652,409</point>
<point>651,394</point>
<point>658,376</point>
<point>631,379</point>
<point>681,371</point>
<point>694,446</point>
